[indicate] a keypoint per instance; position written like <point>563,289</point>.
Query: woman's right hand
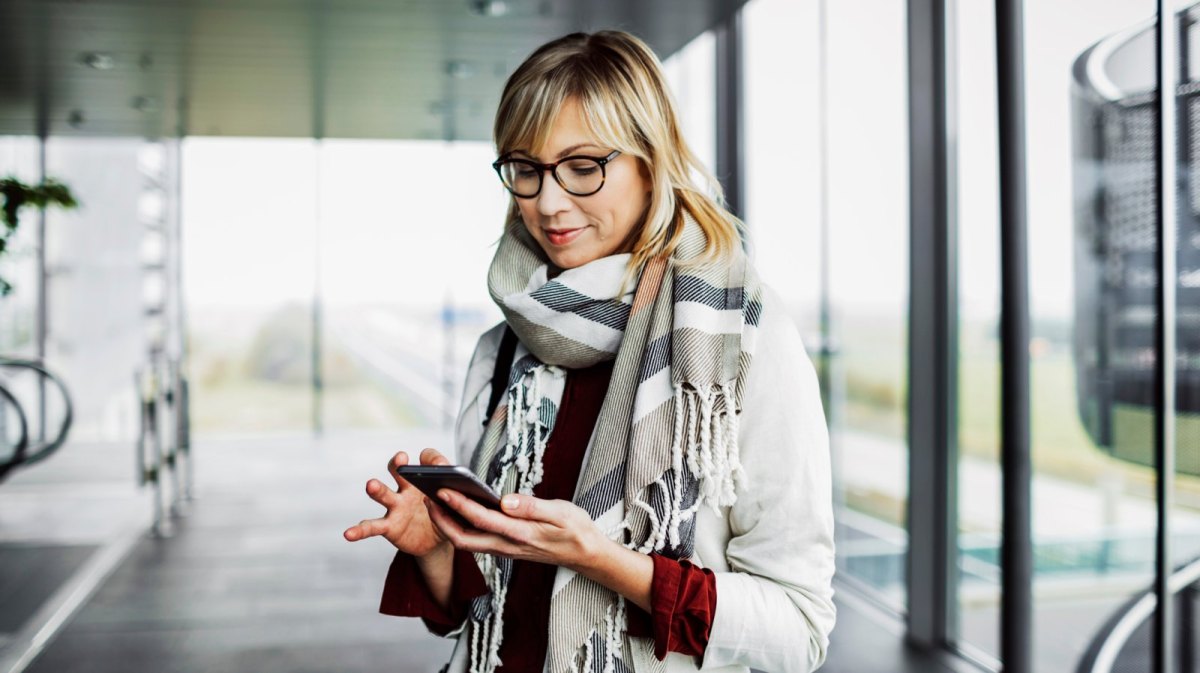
<point>406,524</point>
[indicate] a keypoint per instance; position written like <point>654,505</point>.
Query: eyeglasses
<point>583,176</point>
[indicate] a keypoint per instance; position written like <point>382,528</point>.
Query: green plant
<point>16,195</point>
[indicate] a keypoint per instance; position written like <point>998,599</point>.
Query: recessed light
<point>460,69</point>
<point>98,60</point>
<point>144,104</point>
<point>489,7</point>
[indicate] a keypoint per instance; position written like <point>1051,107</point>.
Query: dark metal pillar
<point>1165,66</point>
<point>932,330</point>
<point>730,129</point>
<point>1016,546</point>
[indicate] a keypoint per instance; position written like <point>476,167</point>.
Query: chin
<point>569,260</point>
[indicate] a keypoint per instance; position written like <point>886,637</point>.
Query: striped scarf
<point>664,444</point>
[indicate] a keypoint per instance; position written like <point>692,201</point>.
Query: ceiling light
<point>144,104</point>
<point>98,60</point>
<point>460,69</point>
<point>489,7</point>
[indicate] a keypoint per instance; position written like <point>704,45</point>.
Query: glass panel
<point>404,279</point>
<point>978,470</point>
<point>18,319</point>
<point>96,337</point>
<point>869,310</point>
<point>1090,206</point>
<point>1185,515</point>
<point>249,240</point>
<point>691,74</point>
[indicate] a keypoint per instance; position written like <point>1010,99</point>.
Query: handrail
<point>22,445</point>
<point>42,451</point>
<point>1106,646</point>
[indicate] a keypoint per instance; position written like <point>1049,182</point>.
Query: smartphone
<point>430,478</point>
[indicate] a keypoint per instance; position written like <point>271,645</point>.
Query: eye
<point>583,167</point>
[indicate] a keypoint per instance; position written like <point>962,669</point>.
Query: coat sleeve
<point>775,604</point>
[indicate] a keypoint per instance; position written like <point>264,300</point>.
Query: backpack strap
<point>504,358</point>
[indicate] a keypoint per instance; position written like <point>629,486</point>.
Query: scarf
<point>665,442</point>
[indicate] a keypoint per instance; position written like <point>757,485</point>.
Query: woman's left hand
<point>529,529</point>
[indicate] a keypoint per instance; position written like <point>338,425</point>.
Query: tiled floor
<point>257,578</point>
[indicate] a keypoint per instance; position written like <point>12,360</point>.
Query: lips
<point>562,236</point>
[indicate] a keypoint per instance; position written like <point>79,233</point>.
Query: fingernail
<point>510,502</point>
<point>444,496</point>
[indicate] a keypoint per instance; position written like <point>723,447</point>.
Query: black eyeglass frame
<point>553,168</point>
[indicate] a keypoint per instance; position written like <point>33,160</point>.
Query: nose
<point>553,198</point>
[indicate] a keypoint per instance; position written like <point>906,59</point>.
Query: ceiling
<point>419,69</point>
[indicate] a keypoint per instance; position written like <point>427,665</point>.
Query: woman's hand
<point>529,529</point>
<point>547,531</point>
<point>406,524</point>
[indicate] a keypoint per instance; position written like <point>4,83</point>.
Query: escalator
<point>24,385</point>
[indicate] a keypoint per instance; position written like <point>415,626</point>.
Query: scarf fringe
<point>706,441</point>
<point>614,633</point>
<point>524,450</point>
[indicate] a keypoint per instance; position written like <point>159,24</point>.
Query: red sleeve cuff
<point>405,593</point>
<point>683,602</point>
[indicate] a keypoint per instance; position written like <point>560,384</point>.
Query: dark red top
<point>684,596</point>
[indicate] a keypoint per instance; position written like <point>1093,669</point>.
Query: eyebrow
<point>563,153</point>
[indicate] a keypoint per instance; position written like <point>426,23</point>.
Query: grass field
<point>873,380</point>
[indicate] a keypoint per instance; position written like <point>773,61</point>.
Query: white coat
<point>771,551</point>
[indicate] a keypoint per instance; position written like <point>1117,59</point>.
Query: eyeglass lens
<point>580,176</point>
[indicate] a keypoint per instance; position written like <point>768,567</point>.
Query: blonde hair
<point>619,84</point>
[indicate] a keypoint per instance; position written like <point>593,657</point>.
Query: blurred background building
<point>276,274</point>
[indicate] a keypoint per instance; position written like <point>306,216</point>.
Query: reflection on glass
<point>1088,185</point>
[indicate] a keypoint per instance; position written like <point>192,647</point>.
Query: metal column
<point>932,330</point>
<point>1164,365</point>
<point>731,164</point>
<point>1016,546</point>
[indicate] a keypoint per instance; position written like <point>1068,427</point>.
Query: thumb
<point>433,457</point>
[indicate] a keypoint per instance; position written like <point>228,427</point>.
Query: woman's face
<point>575,230</point>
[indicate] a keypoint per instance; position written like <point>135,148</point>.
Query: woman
<point>660,438</point>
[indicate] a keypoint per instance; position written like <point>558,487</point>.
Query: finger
<point>365,529</point>
<point>483,518</point>
<point>398,460</point>
<point>433,457</point>
<point>468,539</point>
<point>445,522</point>
<point>381,494</point>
